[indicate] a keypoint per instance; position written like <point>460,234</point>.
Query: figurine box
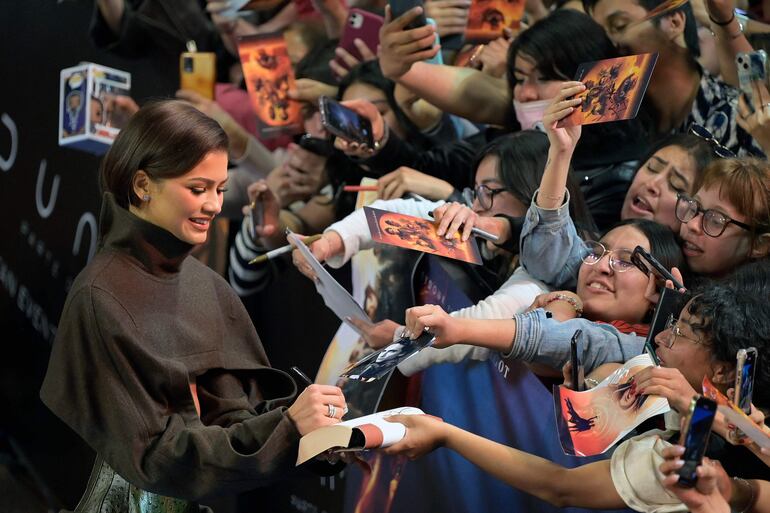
<point>87,119</point>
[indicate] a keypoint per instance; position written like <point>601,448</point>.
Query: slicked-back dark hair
<point>165,139</point>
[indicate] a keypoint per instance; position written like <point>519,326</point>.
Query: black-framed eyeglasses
<point>486,195</point>
<point>620,259</point>
<point>713,222</point>
<point>719,149</point>
<point>672,325</point>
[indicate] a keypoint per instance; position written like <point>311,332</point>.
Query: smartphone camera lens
<point>187,64</point>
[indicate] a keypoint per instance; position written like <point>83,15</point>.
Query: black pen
<point>302,376</point>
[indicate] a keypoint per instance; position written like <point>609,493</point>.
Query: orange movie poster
<point>614,89</point>
<point>488,18</point>
<point>269,76</point>
<point>420,234</point>
<point>592,421</point>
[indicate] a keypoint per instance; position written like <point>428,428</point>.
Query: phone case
<point>198,72</point>
<point>745,357</point>
<point>360,25</point>
<point>751,66</point>
<point>323,104</point>
<point>699,422</point>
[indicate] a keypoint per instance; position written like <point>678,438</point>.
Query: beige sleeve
<point>634,468</point>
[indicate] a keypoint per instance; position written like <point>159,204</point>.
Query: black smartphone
<point>400,7</point>
<point>745,368</point>
<point>648,264</point>
<point>322,147</point>
<point>695,438</point>
<point>344,122</point>
<point>577,375</point>
<point>257,218</point>
<point>669,305</point>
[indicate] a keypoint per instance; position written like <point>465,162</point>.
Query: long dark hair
<point>521,163</point>
<point>558,44</point>
<point>165,139</point>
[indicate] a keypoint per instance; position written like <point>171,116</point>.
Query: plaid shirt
<point>716,108</point>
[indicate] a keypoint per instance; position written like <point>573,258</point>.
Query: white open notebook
<point>367,432</point>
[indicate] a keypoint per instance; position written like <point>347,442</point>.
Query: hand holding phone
<point>695,438</point>
<point>752,66</point>
<point>400,7</point>
<point>647,263</point>
<point>345,123</point>
<point>576,360</point>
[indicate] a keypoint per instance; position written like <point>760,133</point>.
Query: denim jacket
<point>551,249</point>
<point>539,339</point>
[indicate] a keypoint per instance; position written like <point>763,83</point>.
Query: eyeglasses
<point>486,195</point>
<point>719,149</point>
<point>713,222</point>
<point>672,324</point>
<point>620,259</point>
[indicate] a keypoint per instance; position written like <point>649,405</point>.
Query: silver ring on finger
<point>332,411</point>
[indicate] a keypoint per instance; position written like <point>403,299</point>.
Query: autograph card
<point>417,233</point>
<point>614,89</point>
<point>269,75</point>
<point>379,363</point>
<point>488,18</point>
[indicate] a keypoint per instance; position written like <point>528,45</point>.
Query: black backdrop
<point>50,203</point>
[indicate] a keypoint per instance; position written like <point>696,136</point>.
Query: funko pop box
<point>87,120</point>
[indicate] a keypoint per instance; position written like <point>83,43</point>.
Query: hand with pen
<point>326,246</point>
<point>317,406</point>
<point>453,217</point>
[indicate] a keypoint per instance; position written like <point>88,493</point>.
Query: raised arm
<point>465,92</point>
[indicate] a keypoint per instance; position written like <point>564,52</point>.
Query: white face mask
<point>530,114</point>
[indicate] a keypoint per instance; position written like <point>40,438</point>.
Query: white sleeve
<point>513,297</point>
<point>354,229</point>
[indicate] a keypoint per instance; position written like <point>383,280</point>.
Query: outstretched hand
<point>424,433</point>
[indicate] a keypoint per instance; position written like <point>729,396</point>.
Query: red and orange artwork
<point>269,76</point>
<point>419,234</point>
<point>488,18</point>
<point>614,89</point>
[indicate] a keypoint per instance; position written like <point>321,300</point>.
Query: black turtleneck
<point>143,321</point>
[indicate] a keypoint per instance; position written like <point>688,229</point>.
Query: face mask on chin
<point>530,114</point>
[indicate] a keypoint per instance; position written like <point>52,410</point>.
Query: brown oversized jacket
<point>141,323</point>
